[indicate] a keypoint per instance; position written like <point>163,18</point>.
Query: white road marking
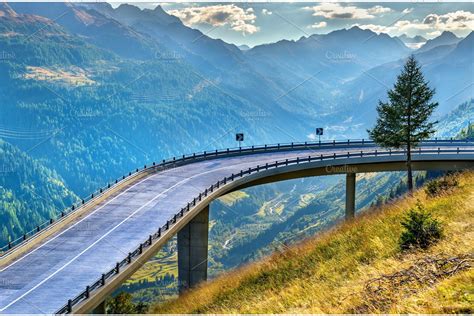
<point>106,234</point>
<point>99,208</point>
<point>123,221</point>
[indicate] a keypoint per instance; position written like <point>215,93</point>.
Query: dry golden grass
<point>328,273</point>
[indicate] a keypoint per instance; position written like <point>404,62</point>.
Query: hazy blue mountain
<point>109,114</point>
<point>414,42</point>
<point>319,64</point>
<point>459,118</point>
<point>170,31</point>
<point>362,94</point>
<point>446,38</point>
<point>415,39</point>
<point>94,27</point>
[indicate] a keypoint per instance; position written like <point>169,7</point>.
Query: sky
<point>255,23</point>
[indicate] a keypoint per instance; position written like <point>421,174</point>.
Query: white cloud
<point>266,12</point>
<point>434,33</point>
<point>378,10</point>
<point>319,25</point>
<point>331,10</point>
<point>219,15</point>
<point>407,10</point>
<point>452,21</point>
<point>432,24</point>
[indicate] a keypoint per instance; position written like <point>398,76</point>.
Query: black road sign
<point>319,131</point>
<point>239,137</point>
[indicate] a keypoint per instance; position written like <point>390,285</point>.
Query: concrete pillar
<point>192,251</point>
<point>350,195</point>
<point>100,309</point>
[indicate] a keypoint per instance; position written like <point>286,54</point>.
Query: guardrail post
<point>458,151</point>
<point>69,306</point>
<point>129,257</point>
<point>117,268</point>
<point>150,240</point>
<point>102,279</point>
<point>159,233</point>
<point>88,291</point>
<point>362,141</point>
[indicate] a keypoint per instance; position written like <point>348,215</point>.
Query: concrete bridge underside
<point>44,276</point>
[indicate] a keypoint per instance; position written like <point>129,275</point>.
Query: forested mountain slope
<point>30,193</point>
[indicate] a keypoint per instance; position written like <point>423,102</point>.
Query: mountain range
<point>90,92</point>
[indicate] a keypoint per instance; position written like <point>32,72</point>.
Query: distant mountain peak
<point>6,10</point>
<point>448,35</point>
<point>357,30</point>
<point>158,8</point>
<point>446,38</point>
<point>130,8</point>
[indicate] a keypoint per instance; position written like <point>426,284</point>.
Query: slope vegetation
<point>334,272</point>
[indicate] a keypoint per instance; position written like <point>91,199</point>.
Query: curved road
<point>60,267</point>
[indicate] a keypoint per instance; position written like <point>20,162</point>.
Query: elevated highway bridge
<point>73,262</point>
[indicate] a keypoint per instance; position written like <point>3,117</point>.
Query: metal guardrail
<point>199,156</point>
<point>102,281</point>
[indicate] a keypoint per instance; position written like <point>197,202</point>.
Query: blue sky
<point>256,23</point>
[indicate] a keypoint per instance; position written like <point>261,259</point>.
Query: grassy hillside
<point>331,273</point>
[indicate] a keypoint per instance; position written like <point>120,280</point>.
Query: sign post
<point>319,132</point>
<point>240,138</point>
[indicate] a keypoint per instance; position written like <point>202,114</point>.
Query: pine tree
<point>403,121</point>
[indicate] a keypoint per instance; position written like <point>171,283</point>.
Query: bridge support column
<point>350,195</point>
<point>192,251</point>
<point>100,309</point>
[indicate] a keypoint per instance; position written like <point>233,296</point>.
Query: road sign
<point>239,137</point>
<point>319,132</point>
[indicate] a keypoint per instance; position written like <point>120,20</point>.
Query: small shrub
<point>437,187</point>
<point>421,229</point>
<point>123,304</point>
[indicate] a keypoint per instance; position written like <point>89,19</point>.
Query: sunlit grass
<point>326,274</point>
